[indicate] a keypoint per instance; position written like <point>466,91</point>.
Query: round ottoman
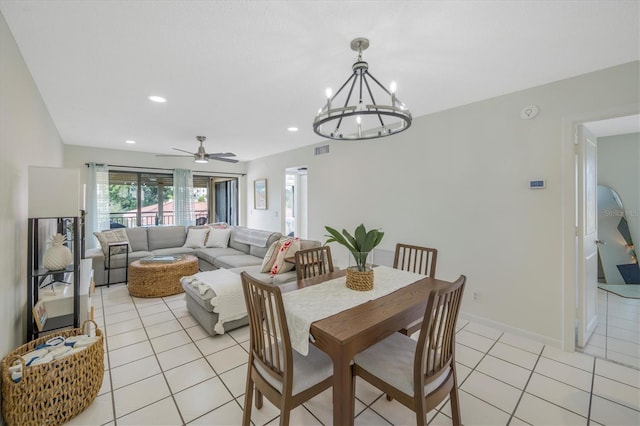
<point>157,279</point>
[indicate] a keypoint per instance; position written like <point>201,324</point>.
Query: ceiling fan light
<point>201,160</point>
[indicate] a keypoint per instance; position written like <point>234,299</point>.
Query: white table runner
<point>304,306</point>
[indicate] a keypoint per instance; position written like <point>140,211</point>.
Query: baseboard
<point>510,329</point>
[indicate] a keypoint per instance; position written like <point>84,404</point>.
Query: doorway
<point>224,200</point>
<point>612,338</point>
<point>295,202</point>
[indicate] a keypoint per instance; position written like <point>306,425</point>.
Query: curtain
<point>183,197</point>
<point>97,202</point>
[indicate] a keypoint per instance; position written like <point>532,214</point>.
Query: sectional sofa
<point>238,255</point>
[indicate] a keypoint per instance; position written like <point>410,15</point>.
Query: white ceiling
<point>241,72</point>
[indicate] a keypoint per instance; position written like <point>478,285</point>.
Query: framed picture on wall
<point>260,194</point>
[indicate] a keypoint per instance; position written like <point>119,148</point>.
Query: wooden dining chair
<point>313,262</point>
<point>276,371</point>
<point>420,260</point>
<point>419,374</point>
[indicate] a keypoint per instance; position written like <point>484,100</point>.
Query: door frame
<point>571,210</point>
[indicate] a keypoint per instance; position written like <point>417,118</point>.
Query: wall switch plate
<point>537,184</point>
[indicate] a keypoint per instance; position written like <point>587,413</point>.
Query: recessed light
<point>130,141</point>
<point>158,99</point>
<point>292,129</point>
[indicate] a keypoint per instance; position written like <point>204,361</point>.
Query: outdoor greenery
<point>123,198</point>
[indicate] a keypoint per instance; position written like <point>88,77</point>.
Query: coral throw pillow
<point>287,249</point>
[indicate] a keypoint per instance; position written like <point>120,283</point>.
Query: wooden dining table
<point>348,332</point>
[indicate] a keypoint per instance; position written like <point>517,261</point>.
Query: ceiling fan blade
<point>173,155</point>
<point>182,150</point>
<point>222,154</point>
<point>228,160</point>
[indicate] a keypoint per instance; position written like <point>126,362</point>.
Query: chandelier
<point>353,114</point>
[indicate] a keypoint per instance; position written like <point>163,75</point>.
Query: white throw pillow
<point>287,249</point>
<point>196,237</point>
<point>218,237</point>
<point>113,236</point>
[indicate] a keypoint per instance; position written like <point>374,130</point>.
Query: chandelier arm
<point>360,91</point>
<point>346,102</point>
<point>379,84</point>
<point>373,100</point>
<point>343,85</point>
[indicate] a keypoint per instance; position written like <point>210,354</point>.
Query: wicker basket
<point>54,392</point>
<point>360,280</point>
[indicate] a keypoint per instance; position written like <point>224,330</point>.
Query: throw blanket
<point>228,301</point>
<point>255,237</point>
<point>304,306</point>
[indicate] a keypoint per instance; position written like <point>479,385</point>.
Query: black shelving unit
<point>37,277</point>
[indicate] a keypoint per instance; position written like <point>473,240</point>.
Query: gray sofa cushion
<point>277,279</point>
<point>173,250</point>
<point>261,251</point>
<point>236,261</point>
<point>309,244</point>
<point>166,237</point>
<point>117,260</point>
<point>138,239</point>
<point>236,245</point>
<point>210,254</point>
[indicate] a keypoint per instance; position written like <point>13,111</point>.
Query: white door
<point>587,234</point>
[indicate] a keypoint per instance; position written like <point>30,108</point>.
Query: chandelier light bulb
<point>358,119</point>
<point>328,92</point>
<point>392,87</point>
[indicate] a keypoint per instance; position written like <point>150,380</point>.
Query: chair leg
<point>284,416</point>
<point>353,389</point>
<point>246,415</point>
<point>389,397</point>
<point>455,406</point>
<point>259,399</point>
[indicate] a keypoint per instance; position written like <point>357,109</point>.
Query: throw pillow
<point>113,236</point>
<point>219,225</point>
<point>196,237</point>
<point>287,249</point>
<point>218,237</point>
<point>270,256</point>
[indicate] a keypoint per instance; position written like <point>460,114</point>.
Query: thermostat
<point>537,184</point>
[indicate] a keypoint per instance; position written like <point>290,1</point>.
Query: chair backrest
<point>313,262</point>
<point>269,341</point>
<point>420,260</point>
<point>436,342</point>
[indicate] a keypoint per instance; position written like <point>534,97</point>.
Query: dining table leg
<point>342,389</point>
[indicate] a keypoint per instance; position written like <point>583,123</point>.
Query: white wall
<point>457,181</point>
<point>619,168</point>
<point>27,137</point>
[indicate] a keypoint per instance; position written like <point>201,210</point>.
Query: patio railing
<point>129,219</point>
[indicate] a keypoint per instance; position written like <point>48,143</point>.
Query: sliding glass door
<point>146,199</point>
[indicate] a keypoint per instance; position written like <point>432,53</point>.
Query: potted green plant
<point>360,244</point>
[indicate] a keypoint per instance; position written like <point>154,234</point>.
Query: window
<point>146,199</point>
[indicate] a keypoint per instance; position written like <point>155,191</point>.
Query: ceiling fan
<point>201,156</point>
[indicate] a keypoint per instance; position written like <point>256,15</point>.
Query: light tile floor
<point>161,368</point>
<point>617,336</point>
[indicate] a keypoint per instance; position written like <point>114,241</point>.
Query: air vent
<point>324,149</point>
